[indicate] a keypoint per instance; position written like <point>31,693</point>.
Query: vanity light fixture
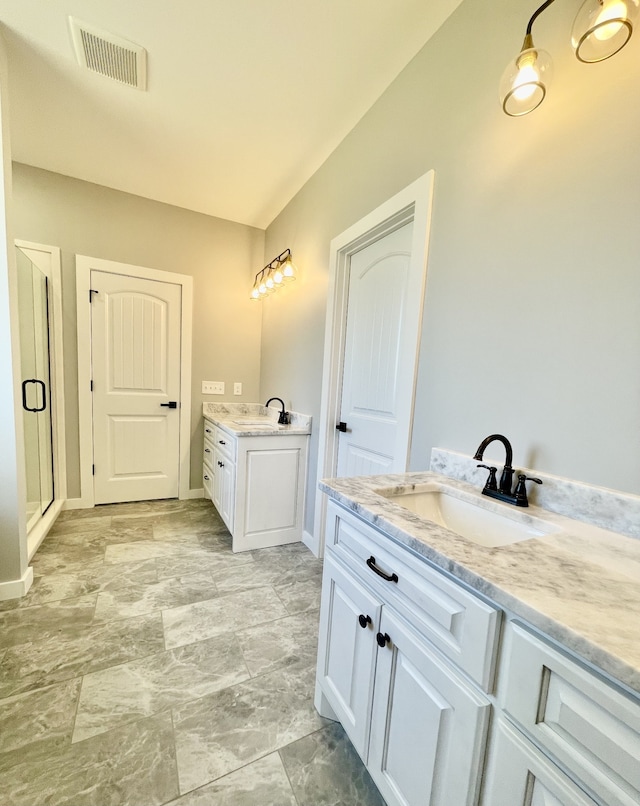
<point>279,272</point>
<point>601,28</point>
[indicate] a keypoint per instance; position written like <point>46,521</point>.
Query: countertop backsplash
<point>608,509</point>
<point>221,411</point>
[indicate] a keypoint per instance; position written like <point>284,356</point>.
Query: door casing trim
<point>413,203</point>
<point>48,260</point>
<point>84,266</point>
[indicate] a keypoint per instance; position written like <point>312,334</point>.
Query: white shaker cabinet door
<point>349,616</point>
<point>428,724</point>
<point>519,775</point>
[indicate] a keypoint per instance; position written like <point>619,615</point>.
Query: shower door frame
<point>48,261</point>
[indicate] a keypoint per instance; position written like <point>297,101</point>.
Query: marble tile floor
<point>150,665</point>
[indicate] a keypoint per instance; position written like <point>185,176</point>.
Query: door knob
<point>341,427</point>
<point>172,404</point>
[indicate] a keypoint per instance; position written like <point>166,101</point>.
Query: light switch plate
<point>212,387</point>
<point>237,388</point>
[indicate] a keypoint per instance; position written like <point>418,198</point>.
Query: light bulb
<point>255,293</point>
<point>602,28</point>
<point>269,282</point>
<point>526,81</point>
<point>616,12</point>
<point>277,276</point>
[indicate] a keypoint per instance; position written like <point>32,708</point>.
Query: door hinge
<point>92,291</point>
<point>93,470</point>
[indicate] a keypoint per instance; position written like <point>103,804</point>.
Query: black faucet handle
<point>491,483</point>
<point>521,489</point>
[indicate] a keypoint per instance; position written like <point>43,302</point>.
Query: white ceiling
<point>245,100</point>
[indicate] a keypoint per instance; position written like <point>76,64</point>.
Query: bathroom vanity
<point>484,675</point>
<point>254,470</point>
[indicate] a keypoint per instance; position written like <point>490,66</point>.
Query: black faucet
<point>503,492</point>
<point>283,417</point>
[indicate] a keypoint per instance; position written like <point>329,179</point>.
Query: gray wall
<point>221,256</point>
<point>532,315</point>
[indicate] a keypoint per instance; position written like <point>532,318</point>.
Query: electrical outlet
<point>237,388</point>
<point>212,387</point>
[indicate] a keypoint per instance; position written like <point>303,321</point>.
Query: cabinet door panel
<point>586,724</point>
<point>347,651</point>
<point>519,775</point>
<point>428,725</point>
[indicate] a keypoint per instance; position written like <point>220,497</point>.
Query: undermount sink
<point>470,518</point>
<point>263,422</point>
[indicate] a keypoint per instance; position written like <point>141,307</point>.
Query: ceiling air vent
<point>109,55</point>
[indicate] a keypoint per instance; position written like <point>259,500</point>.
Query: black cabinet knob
<point>364,620</point>
<point>382,640</point>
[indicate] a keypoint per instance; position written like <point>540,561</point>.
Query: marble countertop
<point>580,586</point>
<point>254,420</point>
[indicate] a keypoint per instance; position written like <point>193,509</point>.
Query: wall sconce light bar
<point>601,28</point>
<point>280,271</point>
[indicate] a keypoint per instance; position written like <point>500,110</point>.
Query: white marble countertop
<point>254,420</point>
<point>581,586</point>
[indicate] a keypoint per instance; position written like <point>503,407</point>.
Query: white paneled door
<point>379,356</point>
<point>135,355</point>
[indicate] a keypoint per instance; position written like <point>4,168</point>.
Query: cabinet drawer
<point>207,454</point>
<point>225,444</point>
<point>461,626</point>
<point>588,725</point>
<point>209,430</point>
<point>519,775</point>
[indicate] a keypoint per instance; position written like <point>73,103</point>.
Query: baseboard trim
<point>16,588</point>
<point>77,503</point>
<point>187,494</point>
<point>311,543</point>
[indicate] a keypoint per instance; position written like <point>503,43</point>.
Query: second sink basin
<point>262,422</point>
<point>470,518</point>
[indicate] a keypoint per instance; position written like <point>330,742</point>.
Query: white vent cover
<point>109,55</point>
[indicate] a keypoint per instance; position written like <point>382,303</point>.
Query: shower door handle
<point>24,394</point>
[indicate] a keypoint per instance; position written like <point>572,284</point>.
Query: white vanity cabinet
<point>257,484</point>
<point>418,723</point>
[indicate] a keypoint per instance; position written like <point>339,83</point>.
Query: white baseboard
<point>77,503</point>
<point>15,588</point>
<point>311,543</point>
<point>192,494</point>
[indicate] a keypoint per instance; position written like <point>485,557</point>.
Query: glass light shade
<point>278,276</point>
<point>602,28</point>
<point>524,82</point>
<point>269,281</point>
<point>255,292</point>
<point>289,271</point>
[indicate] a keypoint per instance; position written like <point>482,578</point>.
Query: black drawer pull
<point>207,450</point>
<point>364,620</point>
<point>222,442</point>
<point>206,478</point>
<point>383,640</point>
<point>371,562</point>
<point>208,431</point>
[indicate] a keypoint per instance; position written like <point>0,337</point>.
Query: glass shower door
<point>33,315</point>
